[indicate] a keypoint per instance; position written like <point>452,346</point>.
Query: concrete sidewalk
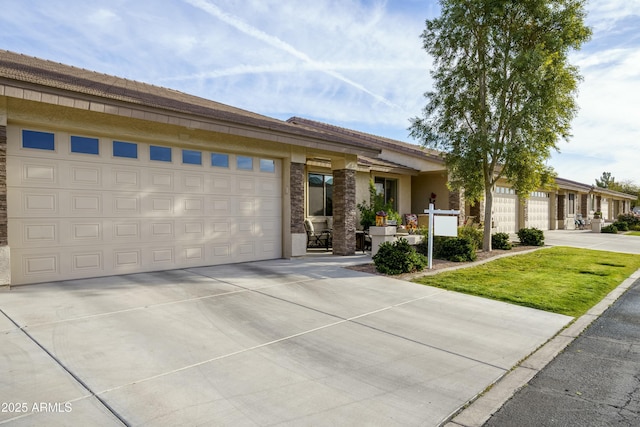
<point>300,342</point>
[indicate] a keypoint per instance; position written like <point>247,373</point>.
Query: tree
<point>503,92</point>
<point>605,181</point>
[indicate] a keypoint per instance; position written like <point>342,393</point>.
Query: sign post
<point>440,225</point>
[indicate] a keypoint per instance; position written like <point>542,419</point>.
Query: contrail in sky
<point>216,12</point>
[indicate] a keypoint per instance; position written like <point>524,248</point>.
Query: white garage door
<point>538,208</point>
<point>505,210</point>
<point>84,207</point>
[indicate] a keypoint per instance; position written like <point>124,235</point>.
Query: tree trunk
<point>488,209</point>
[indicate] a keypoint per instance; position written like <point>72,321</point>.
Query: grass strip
<point>560,279</point>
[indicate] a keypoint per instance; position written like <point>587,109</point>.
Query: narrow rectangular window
<point>220,160</point>
<point>267,165</point>
<point>388,189</point>
<point>159,154</point>
<point>125,149</point>
<point>191,157</point>
<point>572,204</point>
<point>320,197</point>
<point>244,163</point>
<point>81,144</point>
<point>38,140</point>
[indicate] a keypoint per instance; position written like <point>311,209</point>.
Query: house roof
<point>586,188</point>
<point>17,70</point>
<point>369,139</point>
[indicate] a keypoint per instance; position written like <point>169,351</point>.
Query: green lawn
<point>560,279</point>
<point>632,233</point>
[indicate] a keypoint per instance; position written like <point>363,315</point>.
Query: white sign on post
<point>440,225</point>
<point>445,226</point>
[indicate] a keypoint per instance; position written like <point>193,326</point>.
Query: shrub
<point>630,219</point>
<point>609,229</point>
<point>457,249</point>
<point>634,228</point>
<point>621,226</point>
<point>398,257</point>
<point>531,237</point>
<point>500,241</point>
<point>472,232</point>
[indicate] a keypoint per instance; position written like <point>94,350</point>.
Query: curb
<point>482,408</point>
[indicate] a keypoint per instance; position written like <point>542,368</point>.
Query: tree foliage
<point>605,180</point>
<point>503,91</point>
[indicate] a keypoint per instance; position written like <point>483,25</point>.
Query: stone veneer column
<point>344,212</point>
<point>5,265</point>
<point>298,234</point>
<point>296,188</point>
<point>584,205</point>
<point>456,202</point>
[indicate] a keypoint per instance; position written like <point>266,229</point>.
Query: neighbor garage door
<point>538,207</point>
<point>81,206</point>
<point>505,210</point>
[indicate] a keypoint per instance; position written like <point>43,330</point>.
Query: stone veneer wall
<point>584,204</point>
<point>344,212</point>
<point>561,207</point>
<point>4,241</point>
<point>296,189</point>
<point>456,202</point>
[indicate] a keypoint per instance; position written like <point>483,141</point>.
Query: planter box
<point>596,225</point>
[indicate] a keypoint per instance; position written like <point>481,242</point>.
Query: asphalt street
<point>594,382</point>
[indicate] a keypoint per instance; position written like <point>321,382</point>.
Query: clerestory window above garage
<point>38,140</point>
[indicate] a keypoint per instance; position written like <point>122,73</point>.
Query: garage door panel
<point>86,176</point>
<point>33,203</point>
<point>87,263</point>
<point>159,180</point>
<point>221,184</point>
<point>122,204</point>
<point>219,206</point>
<point>42,233</point>
<point>125,178</point>
<point>159,230</point>
<point>192,183</point>
<point>82,204</point>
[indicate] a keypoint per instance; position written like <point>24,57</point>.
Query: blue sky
<point>353,63</point>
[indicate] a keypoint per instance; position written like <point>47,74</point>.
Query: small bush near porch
<point>398,257</point>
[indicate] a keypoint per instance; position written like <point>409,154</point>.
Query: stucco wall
<point>422,187</point>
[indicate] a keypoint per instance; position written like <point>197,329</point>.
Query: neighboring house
<point>108,176</point>
<point>574,198</point>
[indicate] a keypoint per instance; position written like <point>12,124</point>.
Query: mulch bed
<point>440,265</point>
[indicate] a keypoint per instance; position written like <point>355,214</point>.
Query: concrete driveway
<point>588,240</point>
<point>285,342</point>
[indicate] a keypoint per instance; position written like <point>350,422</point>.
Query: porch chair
<point>315,239</point>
